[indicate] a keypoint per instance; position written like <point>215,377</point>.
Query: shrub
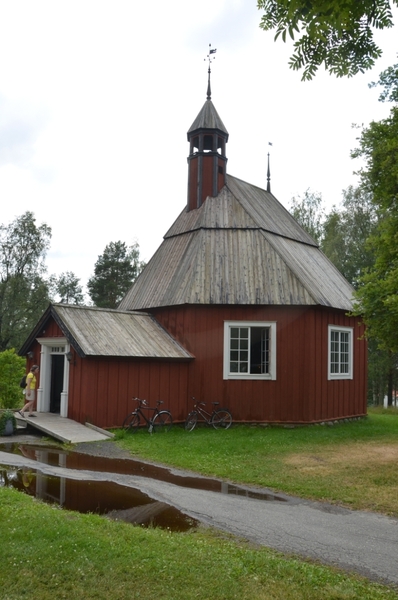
<point>7,415</point>
<point>12,368</point>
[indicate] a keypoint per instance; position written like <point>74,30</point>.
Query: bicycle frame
<point>159,420</point>
<point>204,414</point>
<point>219,418</point>
<point>149,419</point>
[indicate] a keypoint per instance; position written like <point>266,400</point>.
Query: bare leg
<point>28,406</point>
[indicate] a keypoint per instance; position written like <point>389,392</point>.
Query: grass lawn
<point>353,464</point>
<point>48,553</point>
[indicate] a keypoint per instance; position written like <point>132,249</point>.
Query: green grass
<point>48,554</point>
<point>353,464</point>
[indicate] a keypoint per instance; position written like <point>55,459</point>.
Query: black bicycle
<point>220,418</point>
<point>160,421</point>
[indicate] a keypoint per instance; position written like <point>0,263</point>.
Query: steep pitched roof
<point>241,247</point>
<point>208,118</point>
<point>104,332</point>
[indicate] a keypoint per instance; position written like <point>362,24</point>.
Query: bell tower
<point>207,161</point>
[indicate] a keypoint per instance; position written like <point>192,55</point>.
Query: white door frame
<point>50,346</point>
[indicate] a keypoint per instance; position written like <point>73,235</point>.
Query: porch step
<point>63,429</point>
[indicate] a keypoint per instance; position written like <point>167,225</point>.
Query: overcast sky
<point>96,98</point>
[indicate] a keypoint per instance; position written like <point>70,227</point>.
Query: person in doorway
<point>30,394</point>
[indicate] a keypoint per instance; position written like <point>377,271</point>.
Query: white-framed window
<point>249,350</point>
<point>57,349</point>
<point>340,352</point>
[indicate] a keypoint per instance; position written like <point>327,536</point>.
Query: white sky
<point>96,97</point>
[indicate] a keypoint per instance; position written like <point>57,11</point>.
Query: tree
<point>24,293</point>
<point>335,33</point>
<point>343,235</point>
<point>389,80</point>
<point>67,286</point>
<point>382,373</point>
<point>308,212</point>
<point>114,272</point>
<point>377,297</point>
<point>346,231</point>
<point>12,368</point>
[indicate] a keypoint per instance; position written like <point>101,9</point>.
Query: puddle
<point>80,461</point>
<point>116,501</point>
<point>107,498</point>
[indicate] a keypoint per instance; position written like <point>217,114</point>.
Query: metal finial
<point>210,58</point>
<point>268,173</point>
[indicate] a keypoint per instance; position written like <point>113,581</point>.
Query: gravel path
<point>107,449</point>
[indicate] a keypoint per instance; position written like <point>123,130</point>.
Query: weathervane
<point>210,58</point>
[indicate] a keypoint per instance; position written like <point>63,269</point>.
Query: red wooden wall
<point>101,389</point>
<point>301,392</point>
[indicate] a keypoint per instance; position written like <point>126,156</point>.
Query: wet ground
<point>355,541</point>
<point>114,500</point>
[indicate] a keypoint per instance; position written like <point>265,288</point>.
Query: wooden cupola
<point>207,161</point>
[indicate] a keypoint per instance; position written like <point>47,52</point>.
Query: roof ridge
<point>95,308</point>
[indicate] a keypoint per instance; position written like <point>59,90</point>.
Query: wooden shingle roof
<point>113,333</point>
<point>241,247</point>
<point>208,118</point>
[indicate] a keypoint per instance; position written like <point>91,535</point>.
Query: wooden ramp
<point>64,429</point>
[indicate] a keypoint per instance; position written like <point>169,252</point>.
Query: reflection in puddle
<point>116,501</point>
<point>107,498</point>
<point>80,461</point>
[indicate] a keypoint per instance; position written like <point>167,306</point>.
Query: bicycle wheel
<point>131,422</point>
<point>162,422</point>
<point>191,420</point>
<point>221,419</point>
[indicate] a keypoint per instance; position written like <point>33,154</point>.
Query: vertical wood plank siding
<point>301,393</point>
<point>101,389</point>
<point>52,329</point>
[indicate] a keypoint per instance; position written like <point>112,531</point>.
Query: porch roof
<point>113,333</point>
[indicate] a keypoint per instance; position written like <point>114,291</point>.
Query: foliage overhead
<point>389,80</point>
<point>114,272</point>
<point>24,293</point>
<point>335,33</point>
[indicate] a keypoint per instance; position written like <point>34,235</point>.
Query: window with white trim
<point>249,350</point>
<point>340,352</point>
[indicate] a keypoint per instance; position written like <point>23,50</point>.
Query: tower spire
<point>207,160</point>
<point>268,173</point>
<point>210,58</point>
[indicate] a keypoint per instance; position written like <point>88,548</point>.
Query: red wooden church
<point>238,305</point>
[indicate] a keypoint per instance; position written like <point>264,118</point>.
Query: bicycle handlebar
<point>198,402</point>
<point>144,402</point>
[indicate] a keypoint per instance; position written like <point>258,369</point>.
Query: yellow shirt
<point>30,382</point>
